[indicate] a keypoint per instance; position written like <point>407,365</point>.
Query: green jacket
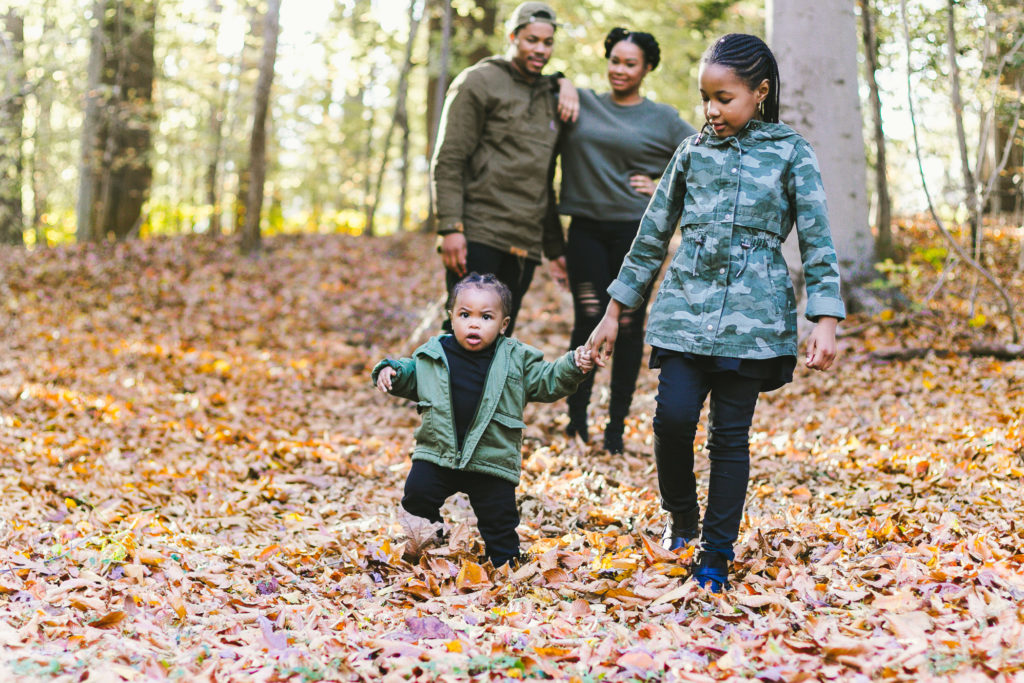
<point>727,290</point>
<point>518,374</point>
<point>494,160</point>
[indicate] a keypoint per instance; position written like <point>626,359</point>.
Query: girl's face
<point>532,46</point>
<point>626,68</point>
<point>729,103</point>
<point>477,318</point>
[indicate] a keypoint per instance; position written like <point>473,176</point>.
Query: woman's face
<point>626,68</point>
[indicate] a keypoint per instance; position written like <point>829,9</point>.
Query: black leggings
<point>515,271</point>
<point>493,501</point>
<point>683,386</point>
<point>593,256</point>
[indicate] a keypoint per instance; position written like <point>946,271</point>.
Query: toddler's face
<point>729,103</point>
<point>477,318</point>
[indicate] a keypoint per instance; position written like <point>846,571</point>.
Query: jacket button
<point>711,327</point>
<point>733,170</point>
<point>722,271</point>
<point>728,216</point>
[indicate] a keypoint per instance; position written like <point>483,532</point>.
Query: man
<point>494,161</point>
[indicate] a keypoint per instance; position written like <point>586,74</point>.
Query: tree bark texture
<point>116,137</point>
<point>970,184</point>
<point>251,234</point>
<point>883,215</point>
<point>12,118</point>
<point>815,44</point>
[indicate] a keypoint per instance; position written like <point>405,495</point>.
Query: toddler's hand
<point>584,359</point>
<point>384,378</point>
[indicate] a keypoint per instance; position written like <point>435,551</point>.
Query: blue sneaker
<point>712,571</point>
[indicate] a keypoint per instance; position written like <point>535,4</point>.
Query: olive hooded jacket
<point>494,161</point>
<point>518,374</point>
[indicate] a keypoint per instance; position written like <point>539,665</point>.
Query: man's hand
<point>453,253</point>
<point>559,272</point>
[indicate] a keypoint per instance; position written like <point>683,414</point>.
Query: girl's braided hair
<point>485,281</point>
<point>645,41</point>
<point>753,62</point>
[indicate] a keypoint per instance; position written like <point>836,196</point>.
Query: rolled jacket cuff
<point>447,226</point>
<point>624,295</point>
<point>816,308</point>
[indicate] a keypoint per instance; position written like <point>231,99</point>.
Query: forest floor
<point>200,483</point>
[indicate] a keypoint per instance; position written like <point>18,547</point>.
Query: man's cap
<point>530,12</point>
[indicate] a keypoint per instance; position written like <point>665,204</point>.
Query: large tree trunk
<point>883,214</point>
<point>251,235</point>
<point>40,164</point>
<point>816,47</point>
<point>116,172</point>
<point>12,118</point>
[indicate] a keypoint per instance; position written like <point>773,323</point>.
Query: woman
<point>610,160</point>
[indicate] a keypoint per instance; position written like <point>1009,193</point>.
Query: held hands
<point>384,378</point>
<point>584,361</point>
<point>453,252</point>
<point>602,339</point>
<point>821,346</point>
<point>559,272</point>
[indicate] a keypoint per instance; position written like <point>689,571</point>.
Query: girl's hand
<point>602,339</point>
<point>642,184</point>
<point>821,347</point>
<point>384,378</point>
<point>584,359</point>
<point>568,101</point>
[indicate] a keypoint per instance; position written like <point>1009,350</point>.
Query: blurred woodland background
<point>132,118</point>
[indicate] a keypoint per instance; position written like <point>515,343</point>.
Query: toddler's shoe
<point>712,571</point>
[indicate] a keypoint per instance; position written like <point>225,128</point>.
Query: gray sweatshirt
<point>607,145</point>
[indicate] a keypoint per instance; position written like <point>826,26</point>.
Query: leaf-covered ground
<point>199,483</point>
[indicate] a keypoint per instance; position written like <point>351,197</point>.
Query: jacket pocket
<point>425,432</point>
<point>508,421</point>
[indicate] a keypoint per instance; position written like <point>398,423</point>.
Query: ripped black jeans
<point>593,256</point>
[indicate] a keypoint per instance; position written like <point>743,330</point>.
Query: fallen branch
<point>1000,351</point>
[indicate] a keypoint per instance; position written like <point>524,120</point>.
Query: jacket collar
<point>433,349</point>
<point>754,131</point>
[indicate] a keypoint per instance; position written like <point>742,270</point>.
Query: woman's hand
<point>821,346</point>
<point>642,184</point>
<point>384,377</point>
<point>568,101</point>
<point>602,339</point>
<point>559,272</point>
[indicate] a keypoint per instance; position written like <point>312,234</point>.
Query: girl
<point>724,320</point>
<point>470,388</point>
<point>609,157</point>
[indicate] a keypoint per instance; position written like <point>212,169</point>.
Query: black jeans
<point>515,271</point>
<point>493,501</point>
<point>593,256</point>
<point>682,388</point>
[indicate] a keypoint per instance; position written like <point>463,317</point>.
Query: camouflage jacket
<point>727,290</point>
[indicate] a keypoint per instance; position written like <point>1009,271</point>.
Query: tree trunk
<point>399,118</point>
<point>41,167</point>
<point>883,216</point>
<point>970,185</point>
<point>116,172</point>
<point>12,119</point>
<point>251,236</point>
<point>815,44</point>
<point>217,106</point>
